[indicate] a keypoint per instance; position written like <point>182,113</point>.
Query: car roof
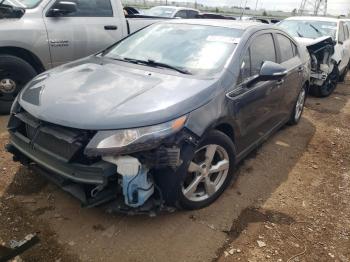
<point>176,7</point>
<point>235,24</point>
<point>314,18</point>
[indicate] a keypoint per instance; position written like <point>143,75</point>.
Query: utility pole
<point>256,5</point>
<point>316,7</point>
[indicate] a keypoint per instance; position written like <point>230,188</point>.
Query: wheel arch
<point>24,54</point>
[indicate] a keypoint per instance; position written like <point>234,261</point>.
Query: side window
<point>341,36</point>
<point>346,30</point>
<point>192,14</point>
<point>262,49</point>
<point>91,8</point>
<point>245,71</point>
<point>181,14</point>
<point>286,47</point>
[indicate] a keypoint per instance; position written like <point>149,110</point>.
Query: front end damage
<point>322,63</point>
<point>143,178</point>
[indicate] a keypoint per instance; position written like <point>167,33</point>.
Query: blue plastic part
<point>137,189</point>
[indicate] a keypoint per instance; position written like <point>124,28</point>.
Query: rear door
<point>93,27</point>
<point>254,108</point>
<point>290,59</point>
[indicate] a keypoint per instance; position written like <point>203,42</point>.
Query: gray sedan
<point>162,117</point>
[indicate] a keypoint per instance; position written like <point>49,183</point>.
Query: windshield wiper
<point>313,27</point>
<point>153,63</point>
<point>299,34</point>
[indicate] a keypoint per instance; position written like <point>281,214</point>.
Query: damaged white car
<point>327,40</point>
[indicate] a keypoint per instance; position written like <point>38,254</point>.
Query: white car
<point>172,12</point>
<point>318,34</point>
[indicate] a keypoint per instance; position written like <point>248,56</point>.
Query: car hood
<point>100,94</point>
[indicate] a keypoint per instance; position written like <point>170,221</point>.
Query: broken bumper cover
<point>95,174</point>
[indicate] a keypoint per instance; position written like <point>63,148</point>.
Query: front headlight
<point>132,140</point>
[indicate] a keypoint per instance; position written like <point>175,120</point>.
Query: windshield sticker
<point>223,39</point>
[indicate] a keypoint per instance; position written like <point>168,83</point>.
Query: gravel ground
<point>291,202</point>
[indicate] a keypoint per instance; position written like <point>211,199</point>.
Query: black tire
<point>224,142</point>
<point>298,107</point>
<point>344,74</point>
<point>329,85</point>
<point>18,71</point>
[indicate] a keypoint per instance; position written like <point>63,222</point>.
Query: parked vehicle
<point>173,12</point>
<point>327,40</point>
<point>36,35</point>
<point>162,117</point>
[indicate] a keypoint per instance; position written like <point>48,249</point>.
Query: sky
<point>336,7</point>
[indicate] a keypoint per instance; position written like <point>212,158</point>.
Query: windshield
<point>161,11</point>
<point>309,29</point>
<point>22,3</point>
<point>197,49</point>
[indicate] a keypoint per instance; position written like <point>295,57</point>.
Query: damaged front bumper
<point>139,181</point>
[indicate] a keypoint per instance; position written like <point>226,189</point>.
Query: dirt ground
<point>291,202</point>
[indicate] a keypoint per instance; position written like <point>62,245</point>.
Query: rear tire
<point>329,85</point>
<point>15,73</point>
<point>209,172</point>
<point>298,107</point>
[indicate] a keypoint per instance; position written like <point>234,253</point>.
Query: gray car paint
<point>91,94</point>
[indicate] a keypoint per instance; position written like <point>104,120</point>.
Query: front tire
<point>329,85</point>
<point>344,74</point>
<point>209,173</point>
<point>14,74</point>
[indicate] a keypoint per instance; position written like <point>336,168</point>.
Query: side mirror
<point>62,8</point>
<point>269,71</point>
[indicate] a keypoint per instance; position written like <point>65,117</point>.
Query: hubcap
<point>7,85</point>
<point>300,104</point>
<point>207,173</point>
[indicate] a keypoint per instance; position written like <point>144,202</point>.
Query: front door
<point>90,29</point>
<point>254,108</point>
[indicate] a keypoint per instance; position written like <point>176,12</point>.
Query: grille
<point>61,141</point>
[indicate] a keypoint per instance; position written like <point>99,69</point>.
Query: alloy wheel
<point>300,104</point>
<point>206,173</point>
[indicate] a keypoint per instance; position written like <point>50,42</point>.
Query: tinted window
<point>286,48</point>
<point>262,49</point>
<point>192,14</point>
<point>245,67</point>
<point>181,14</point>
<point>341,36</point>
<point>91,8</point>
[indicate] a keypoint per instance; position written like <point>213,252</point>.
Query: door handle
<point>111,27</point>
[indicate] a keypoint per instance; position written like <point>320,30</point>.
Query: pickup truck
<point>37,35</point>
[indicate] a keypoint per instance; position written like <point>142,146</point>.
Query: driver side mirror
<point>269,71</point>
<point>62,8</point>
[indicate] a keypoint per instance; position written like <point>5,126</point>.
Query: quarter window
<point>286,48</point>
<point>245,71</point>
<point>88,8</point>
<point>262,50</point>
